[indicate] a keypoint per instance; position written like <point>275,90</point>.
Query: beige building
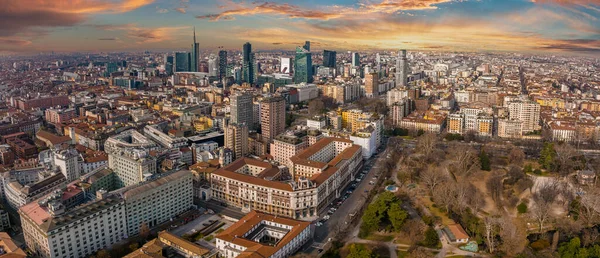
<point>510,128</point>
<point>272,117</point>
<point>372,85</point>
<point>526,111</point>
<point>236,139</point>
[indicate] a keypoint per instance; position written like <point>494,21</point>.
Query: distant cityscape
<point>250,153</point>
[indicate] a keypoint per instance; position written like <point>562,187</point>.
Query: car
<point>371,182</point>
<point>330,212</point>
<point>354,185</point>
<point>319,224</point>
<point>326,217</point>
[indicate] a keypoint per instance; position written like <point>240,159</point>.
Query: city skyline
<point>553,26</point>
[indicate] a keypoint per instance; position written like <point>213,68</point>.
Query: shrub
<point>522,208</point>
<point>537,171</point>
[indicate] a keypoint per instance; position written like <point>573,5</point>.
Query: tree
<point>516,156</point>
<point>420,252</point>
<point>396,215</point>
<point>432,177</point>
<point>426,144</point>
<point>491,230</point>
<point>484,159</point>
<point>495,187</point>
<point>465,160</point>
<point>413,230</point>
<point>589,207</point>
<point>514,236</point>
<point>102,254</point>
<point>543,198</point>
<point>547,156</point>
<point>316,107</point>
<point>565,160</point>
<point>359,251</point>
<point>144,230</point>
<point>522,208</point>
<point>432,240</point>
<point>571,249</point>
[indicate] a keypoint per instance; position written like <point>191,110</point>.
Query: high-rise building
<point>329,58</point>
<point>303,64</point>
<point>195,55</point>
<point>68,161</point>
<point>129,157</point>
<point>526,111</point>
<point>236,139</point>
<point>222,64</point>
<point>169,64</point>
<point>213,66</point>
<point>372,85</point>
<point>111,68</point>
<point>401,69</point>
<point>242,109</point>
<point>355,59</point>
<point>307,45</point>
<point>378,62</point>
<point>248,67</point>
<point>272,117</point>
<point>286,65</point>
<point>181,62</point>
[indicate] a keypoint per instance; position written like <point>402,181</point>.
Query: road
<point>338,221</point>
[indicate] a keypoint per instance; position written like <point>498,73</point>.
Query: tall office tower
<point>111,68</point>
<point>242,109</point>
<point>372,85</point>
<point>236,139</point>
<point>168,64</point>
<point>213,66</point>
<point>378,62</point>
<point>181,62</point>
<point>286,65</point>
<point>272,117</point>
<point>401,69</point>
<point>195,55</point>
<point>355,59</point>
<point>307,45</point>
<point>248,64</point>
<point>222,64</point>
<point>329,58</point>
<point>303,65</point>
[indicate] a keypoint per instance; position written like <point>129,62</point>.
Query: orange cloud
<point>327,13</point>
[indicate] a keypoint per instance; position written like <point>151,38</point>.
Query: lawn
<point>402,254</point>
<point>380,237</point>
<point>436,212</point>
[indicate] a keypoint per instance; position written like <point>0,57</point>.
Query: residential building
<point>128,156</point>
<point>272,117</point>
<point>285,146</point>
<point>236,139</point>
<point>59,116</point>
<point>242,109</point>
<point>401,69</point>
<point>372,85</point>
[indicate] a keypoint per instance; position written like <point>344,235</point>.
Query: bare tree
<point>516,156</point>
<point>543,198</point>
<point>495,187</point>
<point>442,194</point>
<point>589,208</point>
<point>426,144</point>
<point>420,252</point>
<point>432,177</point>
<point>491,229</point>
<point>513,235</point>
<point>565,159</point>
<point>465,160</point>
<point>413,230</point>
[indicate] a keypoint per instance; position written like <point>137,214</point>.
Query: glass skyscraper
<point>329,58</point>
<point>248,67</point>
<point>195,55</point>
<point>222,64</point>
<point>182,62</point>
<point>303,64</point>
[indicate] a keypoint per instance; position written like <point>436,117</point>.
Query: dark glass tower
<point>329,58</point>
<point>195,55</point>
<point>303,64</point>
<point>248,64</point>
<point>181,62</point>
<point>222,64</point>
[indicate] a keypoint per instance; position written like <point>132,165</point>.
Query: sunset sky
<point>464,25</point>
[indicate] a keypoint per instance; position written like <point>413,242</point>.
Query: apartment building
<point>128,156</point>
<point>59,116</point>
<point>272,117</point>
<point>236,139</point>
<point>526,111</point>
<point>285,146</point>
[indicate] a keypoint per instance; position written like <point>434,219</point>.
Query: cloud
<point>180,10</point>
<point>14,41</point>
<point>161,10</point>
<point>108,39</point>
<point>568,2</point>
<point>325,13</point>
<point>19,15</point>
<point>574,45</point>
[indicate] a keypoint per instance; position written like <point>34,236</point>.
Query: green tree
<point>547,156</point>
<point>485,161</point>
<point>572,249</point>
<point>359,251</point>
<point>397,216</point>
<point>432,240</point>
<point>522,208</point>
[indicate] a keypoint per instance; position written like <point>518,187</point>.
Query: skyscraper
<point>286,65</point>
<point>401,69</point>
<point>303,64</point>
<point>213,66</point>
<point>329,58</point>
<point>378,62</point>
<point>222,64</point>
<point>111,68</point>
<point>236,139</point>
<point>272,117</point>
<point>248,64</point>
<point>195,55</point>
<point>181,62</point>
<point>242,109</point>
<point>168,64</point>
<point>355,59</point>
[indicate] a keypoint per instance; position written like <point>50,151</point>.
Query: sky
<point>553,26</point>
